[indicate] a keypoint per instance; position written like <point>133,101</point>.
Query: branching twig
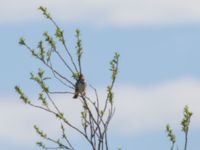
<point>95,118</point>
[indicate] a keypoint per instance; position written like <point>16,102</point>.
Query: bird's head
<point>81,77</point>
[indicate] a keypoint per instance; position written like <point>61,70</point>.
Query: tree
<point>185,123</point>
<point>94,117</point>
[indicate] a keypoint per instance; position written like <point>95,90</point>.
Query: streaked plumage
<point>80,86</point>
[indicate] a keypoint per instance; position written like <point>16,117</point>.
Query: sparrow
<point>79,86</point>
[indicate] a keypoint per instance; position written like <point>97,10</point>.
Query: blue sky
<point>159,45</point>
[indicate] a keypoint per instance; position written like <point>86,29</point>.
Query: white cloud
<point>138,110</point>
<point>17,120</point>
<point>105,12</point>
<point>151,108</point>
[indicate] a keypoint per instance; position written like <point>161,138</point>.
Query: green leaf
<point>22,41</point>
<point>59,34</point>
<point>40,144</point>
<point>23,97</point>
<point>45,12</point>
<point>79,45</point>
<point>40,132</point>
<point>170,134</point>
<point>50,40</point>
<point>186,119</point>
<point>110,94</point>
<point>42,51</point>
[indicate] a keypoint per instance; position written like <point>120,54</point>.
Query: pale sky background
<point>159,43</point>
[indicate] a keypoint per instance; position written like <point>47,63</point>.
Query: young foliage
<point>171,136</point>
<point>95,118</point>
<point>185,123</point>
<point>23,97</point>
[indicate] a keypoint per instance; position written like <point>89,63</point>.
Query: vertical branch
<point>114,69</point>
<point>185,124</point>
<point>59,34</point>
<point>171,136</point>
<point>186,141</point>
<point>70,56</point>
<point>79,49</point>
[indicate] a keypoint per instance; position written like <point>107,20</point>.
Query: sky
<point>159,44</point>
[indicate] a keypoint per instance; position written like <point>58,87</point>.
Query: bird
<point>79,86</point>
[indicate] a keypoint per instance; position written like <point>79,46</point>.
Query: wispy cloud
<point>138,110</point>
<point>17,119</point>
<point>104,12</point>
<point>151,108</point>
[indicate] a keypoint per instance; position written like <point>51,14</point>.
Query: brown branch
<point>50,67</point>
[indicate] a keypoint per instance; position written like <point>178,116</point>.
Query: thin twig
<point>66,139</point>
<point>60,92</point>
<point>50,67</point>
<point>64,44</point>
<point>64,62</point>
<point>53,103</point>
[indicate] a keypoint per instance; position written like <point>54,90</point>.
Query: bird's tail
<point>75,95</point>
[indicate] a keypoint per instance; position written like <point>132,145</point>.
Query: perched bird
<point>80,86</point>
